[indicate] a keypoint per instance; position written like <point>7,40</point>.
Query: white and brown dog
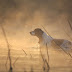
<point>46,41</point>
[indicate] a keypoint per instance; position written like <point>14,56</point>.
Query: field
<point>31,60</point>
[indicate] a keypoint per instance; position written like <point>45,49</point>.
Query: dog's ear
<point>38,32</point>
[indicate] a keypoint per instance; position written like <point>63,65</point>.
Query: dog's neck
<point>45,38</point>
<point>40,38</point>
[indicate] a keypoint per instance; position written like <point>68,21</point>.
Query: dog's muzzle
<point>32,33</point>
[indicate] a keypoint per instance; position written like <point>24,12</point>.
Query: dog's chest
<point>46,40</point>
<point>45,44</point>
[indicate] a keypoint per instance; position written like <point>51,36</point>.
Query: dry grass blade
<point>69,24</point>
<point>45,30</point>
<point>24,51</point>
<point>9,55</point>
<point>68,35</point>
<point>15,61</point>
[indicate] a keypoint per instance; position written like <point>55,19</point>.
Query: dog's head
<point>37,32</point>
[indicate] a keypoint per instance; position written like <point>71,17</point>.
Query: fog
<point>19,17</point>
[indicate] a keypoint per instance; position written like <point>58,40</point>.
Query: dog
<point>46,41</point>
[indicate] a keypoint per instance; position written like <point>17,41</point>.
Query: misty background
<point>19,17</point>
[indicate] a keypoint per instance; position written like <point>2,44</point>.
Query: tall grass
<point>9,53</point>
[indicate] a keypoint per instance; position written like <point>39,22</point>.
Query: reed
<point>69,24</point>
<point>9,50</point>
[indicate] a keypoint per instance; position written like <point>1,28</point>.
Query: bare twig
<point>46,30</point>
<point>69,24</point>
<point>9,55</point>
<point>68,35</point>
<point>15,61</point>
<point>24,51</point>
